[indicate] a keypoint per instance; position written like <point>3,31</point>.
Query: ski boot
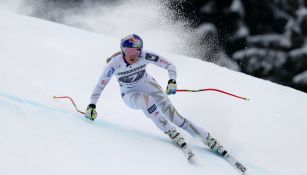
<point>179,140</point>
<point>219,149</point>
<point>215,146</point>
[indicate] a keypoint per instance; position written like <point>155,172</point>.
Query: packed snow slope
<point>42,136</point>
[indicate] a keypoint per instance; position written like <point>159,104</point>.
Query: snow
<point>206,28</point>
<point>242,31</point>
<point>208,8</point>
<point>236,6</point>
<point>224,61</point>
<point>39,135</point>
<point>297,54</point>
<point>301,78</point>
<point>260,60</point>
<point>274,41</point>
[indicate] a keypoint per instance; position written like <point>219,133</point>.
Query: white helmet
<point>131,41</point>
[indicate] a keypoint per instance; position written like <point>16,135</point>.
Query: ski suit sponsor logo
<point>110,72</point>
<point>104,82</point>
<point>132,77</point>
<point>132,70</point>
<point>152,109</point>
<point>163,61</point>
<point>151,57</point>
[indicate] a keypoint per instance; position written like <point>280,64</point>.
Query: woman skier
<point>140,91</point>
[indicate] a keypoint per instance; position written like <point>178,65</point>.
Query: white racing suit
<point>140,91</point>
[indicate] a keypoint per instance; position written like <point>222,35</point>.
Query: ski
<point>235,163</point>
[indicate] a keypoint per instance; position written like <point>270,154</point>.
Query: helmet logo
<point>135,42</point>
<point>132,40</point>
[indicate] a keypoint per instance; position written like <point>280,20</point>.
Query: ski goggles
<point>132,51</point>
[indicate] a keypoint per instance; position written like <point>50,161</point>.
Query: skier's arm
<point>166,64</point>
<point>162,62</point>
<point>104,79</point>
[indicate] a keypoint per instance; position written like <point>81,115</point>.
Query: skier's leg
<point>142,101</point>
<point>168,110</point>
<point>146,103</point>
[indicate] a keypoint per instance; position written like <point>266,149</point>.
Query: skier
<point>141,91</point>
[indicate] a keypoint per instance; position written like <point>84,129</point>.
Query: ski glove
<point>91,113</point>
<point>171,87</point>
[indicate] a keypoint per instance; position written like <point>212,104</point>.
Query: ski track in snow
<point>21,106</point>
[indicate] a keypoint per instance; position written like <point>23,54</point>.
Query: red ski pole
<point>212,89</point>
<point>178,90</point>
<point>72,101</point>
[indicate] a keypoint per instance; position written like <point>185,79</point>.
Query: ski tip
<point>241,168</point>
<point>193,160</point>
<point>191,157</point>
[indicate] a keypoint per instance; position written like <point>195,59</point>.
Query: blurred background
<point>265,39</point>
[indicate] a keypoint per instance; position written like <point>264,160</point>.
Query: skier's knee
<point>185,123</point>
<point>160,121</point>
<point>182,123</point>
<point>194,130</point>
